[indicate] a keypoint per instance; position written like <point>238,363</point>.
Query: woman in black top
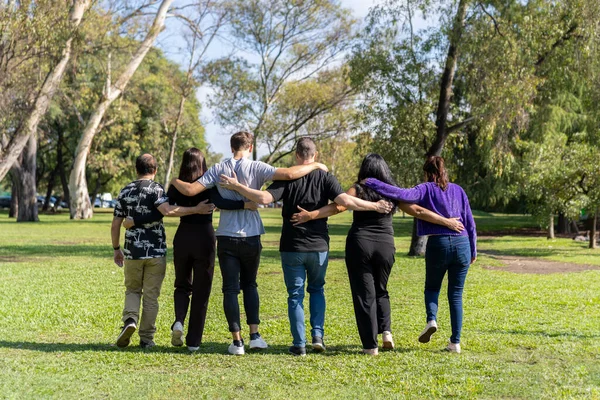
<point>370,253</point>
<point>193,251</point>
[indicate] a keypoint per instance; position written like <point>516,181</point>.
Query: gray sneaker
<point>317,344</point>
<point>127,330</point>
<point>147,345</point>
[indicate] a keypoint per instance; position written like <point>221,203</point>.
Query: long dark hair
<point>435,171</point>
<point>373,166</point>
<point>193,165</point>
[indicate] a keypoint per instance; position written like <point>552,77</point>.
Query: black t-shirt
<point>310,192</point>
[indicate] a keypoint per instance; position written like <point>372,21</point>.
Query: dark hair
<point>241,141</point>
<point>145,164</point>
<point>435,171</point>
<point>306,148</point>
<point>193,165</point>
<point>373,166</point>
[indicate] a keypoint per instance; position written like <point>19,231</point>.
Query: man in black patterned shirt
<point>145,250</point>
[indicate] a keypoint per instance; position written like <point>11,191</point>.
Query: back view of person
<point>304,249</point>
<point>447,251</point>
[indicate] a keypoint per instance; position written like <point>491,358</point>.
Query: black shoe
<point>297,351</point>
<point>147,345</point>
<point>126,331</point>
<point>317,344</point>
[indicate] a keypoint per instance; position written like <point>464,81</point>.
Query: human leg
<point>457,275</point>
<point>154,273</point>
<point>294,275</point>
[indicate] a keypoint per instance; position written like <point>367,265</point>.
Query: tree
<point>81,207</point>
<point>289,45</point>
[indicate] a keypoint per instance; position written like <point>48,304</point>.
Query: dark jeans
<point>239,259</point>
<point>452,254</point>
<point>194,258</point>
<point>369,265</point>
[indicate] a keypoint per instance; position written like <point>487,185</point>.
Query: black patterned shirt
<point>135,200</point>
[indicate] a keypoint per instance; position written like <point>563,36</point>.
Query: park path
<point>530,265</point>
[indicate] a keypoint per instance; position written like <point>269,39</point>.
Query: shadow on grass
<point>205,348</point>
<point>570,335</point>
<point>46,250</point>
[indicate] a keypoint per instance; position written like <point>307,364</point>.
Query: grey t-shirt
<point>254,174</point>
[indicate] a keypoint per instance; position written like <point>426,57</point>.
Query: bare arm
<point>323,212</point>
<point>188,189</point>
<point>356,204</point>
<point>115,235</point>
<point>257,196</point>
<point>429,216</point>
<point>170,210</point>
<point>297,171</point>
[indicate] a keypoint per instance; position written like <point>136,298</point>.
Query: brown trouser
<point>143,277</point>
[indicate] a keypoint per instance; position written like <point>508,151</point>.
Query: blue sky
<point>174,47</point>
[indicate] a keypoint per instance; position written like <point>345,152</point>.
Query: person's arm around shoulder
<point>429,216</point>
<point>257,196</point>
<point>412,195</point>
<point>225,204</point>
<point>297,171</point>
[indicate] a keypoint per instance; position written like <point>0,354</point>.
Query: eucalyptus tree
<point>286,51</point>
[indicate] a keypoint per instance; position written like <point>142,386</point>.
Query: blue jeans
<point>296,268</point>
<point>452,254</point>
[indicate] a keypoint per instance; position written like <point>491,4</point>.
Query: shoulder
<point>457,189</point>
<point>157,186</point>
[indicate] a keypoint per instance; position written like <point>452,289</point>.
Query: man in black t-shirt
<point>304,248</point>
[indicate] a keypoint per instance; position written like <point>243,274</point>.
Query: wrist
<point>117,248</point>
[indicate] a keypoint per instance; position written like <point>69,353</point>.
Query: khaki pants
<point>143,277</point>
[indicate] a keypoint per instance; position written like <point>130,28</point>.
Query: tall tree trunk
<point>418,243</point>
<point>28,128</point>
<point>60,163</point>
<point>593,243</point>
<point>14,196</point>
<point>50,188</point>
<point>80,206</point>
<point>174,140</point>
<point>551,227</point>
<point>28,208</point>
<point>563,224</point>
<point>574,228</point>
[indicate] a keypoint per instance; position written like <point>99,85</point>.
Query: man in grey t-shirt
<point>238,234</point>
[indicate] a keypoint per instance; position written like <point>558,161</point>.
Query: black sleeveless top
<point>371,225</point>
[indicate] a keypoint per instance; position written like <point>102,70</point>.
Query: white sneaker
<point>388,340</point>
<point>429,330</point>
<point>453,347</point>
<point>177,334</point>
<point>258,343</point>
<point>193,348</point>
<point>236,350</point>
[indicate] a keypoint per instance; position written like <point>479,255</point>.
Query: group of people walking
<point>306,190</point>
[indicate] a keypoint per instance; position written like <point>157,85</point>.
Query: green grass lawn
<point>524,336</point>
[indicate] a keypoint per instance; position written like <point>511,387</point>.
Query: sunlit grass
<point>525,336</point>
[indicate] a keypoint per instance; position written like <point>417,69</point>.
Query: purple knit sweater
<point>449,203</point>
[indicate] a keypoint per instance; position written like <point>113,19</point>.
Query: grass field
<point>525,335</point>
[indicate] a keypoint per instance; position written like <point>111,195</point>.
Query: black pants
<point>194,258</point>
<point>239,259</point>
<point>369,265</point>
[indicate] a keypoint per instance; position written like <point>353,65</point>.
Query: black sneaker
<point>147,345</point>
<point>126,331</point>
<point>297,351</point>
<point>317,344</point>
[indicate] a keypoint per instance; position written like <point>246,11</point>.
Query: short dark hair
<point>435,171</point>
<point>145,164</point>
<point>306,148</point>
<point>241,140</point>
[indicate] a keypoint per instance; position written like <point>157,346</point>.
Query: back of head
<point>241,141</point>
<point>435,171</point>
<point>373,166</point>
<point>145,165</point>
<point>193,165</point>
<point>306,148</point>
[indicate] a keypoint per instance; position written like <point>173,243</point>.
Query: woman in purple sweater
<point>447,250</point>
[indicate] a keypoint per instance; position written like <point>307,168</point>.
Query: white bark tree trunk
<point>174,141</point>
<point>81,207</point>
<point>551,226</point>
<point>10,153</point>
